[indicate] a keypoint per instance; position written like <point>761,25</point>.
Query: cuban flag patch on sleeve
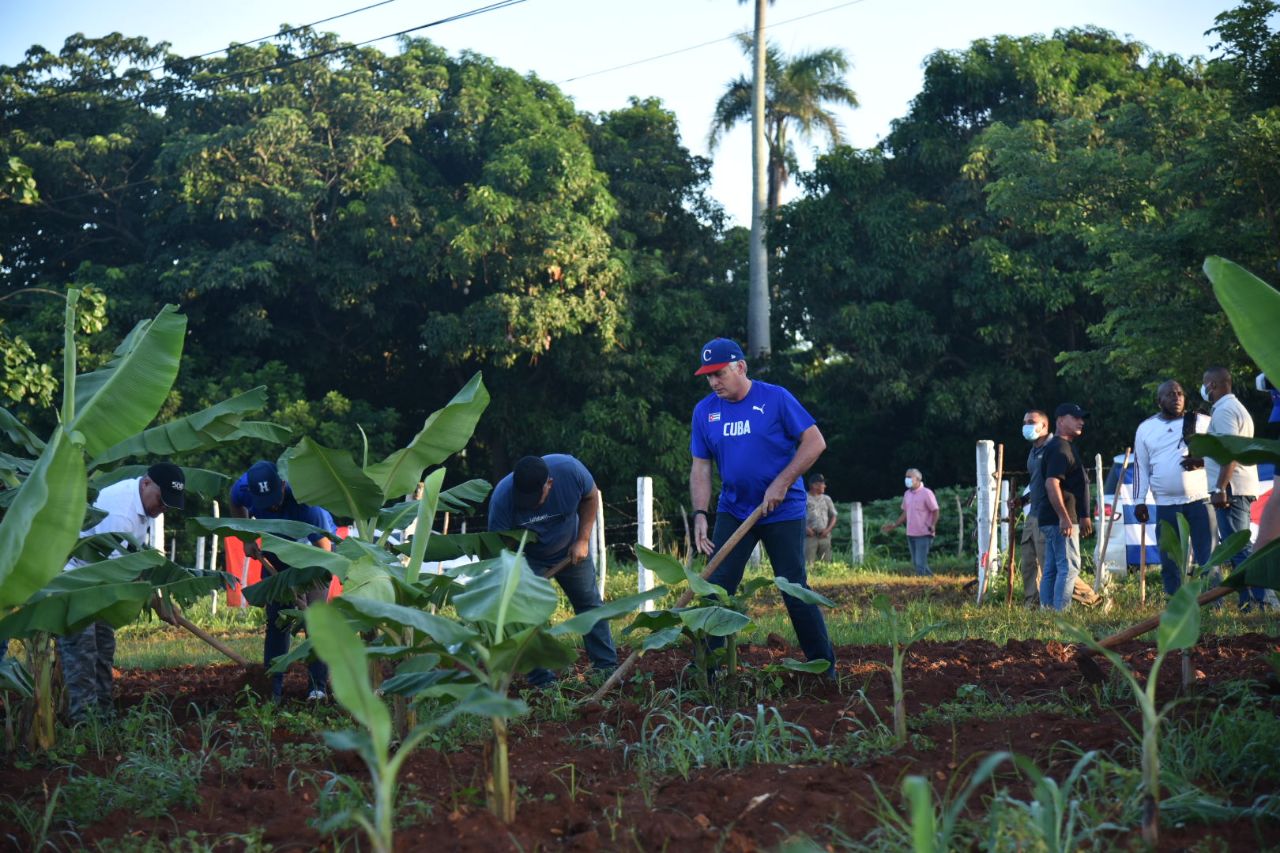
<point>712,417</point>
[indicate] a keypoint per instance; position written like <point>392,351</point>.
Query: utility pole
<point>758,343</point>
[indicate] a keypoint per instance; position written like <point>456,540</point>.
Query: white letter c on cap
<point>706,355</point>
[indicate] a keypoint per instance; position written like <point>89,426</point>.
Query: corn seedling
<point>1179,629</point>
<point>901,644</point>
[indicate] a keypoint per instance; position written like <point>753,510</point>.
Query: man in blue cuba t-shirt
<point>762,441</point>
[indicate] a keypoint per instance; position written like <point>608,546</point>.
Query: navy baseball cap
<point>172,482</point>
<point>265,487</point>
<point>527,480</point>
<point>1070,409</point>
<point>716,354</point>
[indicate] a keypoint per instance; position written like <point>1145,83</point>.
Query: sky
<point>578,44</point>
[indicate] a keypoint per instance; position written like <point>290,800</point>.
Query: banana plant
<point>469,662</point>
<point>103,420</point>
<point>712,613</point>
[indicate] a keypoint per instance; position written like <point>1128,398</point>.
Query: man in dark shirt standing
<point>1035,429</point>
<point>1064,511</point>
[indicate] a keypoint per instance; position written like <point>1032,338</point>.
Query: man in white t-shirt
<point>1232,487</point>
<point>88,655</point>
<point>1164,464</point>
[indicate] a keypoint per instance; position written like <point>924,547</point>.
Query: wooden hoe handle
<point>172,614</point>
<point>1148,624</point>
<point>632,659</point>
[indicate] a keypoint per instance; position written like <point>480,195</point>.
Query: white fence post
<point>986,466</point>
<point>602,551</point>
<point>858,552</point>
<point>213,559</point>
<point>1004,515</point>
<point>644,531</point>
<point>157,533</point>
<point>1100,525</point>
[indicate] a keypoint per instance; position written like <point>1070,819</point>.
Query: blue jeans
<point>919,548</point>
<point>1197,515</point>
<point>579,585</point>
<point>784,543</point>
<point>1061,566</point>
<point>276,642</point>
<point>1236,517</point>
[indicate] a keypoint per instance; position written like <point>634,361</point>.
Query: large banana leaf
<point>65,613</point>
<point>339,647</point>
<point>444,433</point>
<point>482,545</point>
<point>509,593</point>
<point>374,613</point>
<point>283,587</point>
<point>1262,568</point>
<point>199,431</point>
<point>460,498</point>
<point>112,591</point>
<point>17,433</point>
<point>118,401</point>
<point>252,528</point>
<point>1180,623</point>
<point>1253,306</point>
<point>1234,448</point>
<point>42,524</point>
<point>323,476</point>
<point>585,621</point>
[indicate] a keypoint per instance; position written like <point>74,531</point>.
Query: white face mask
<point>1262,382</point>
<point>910,482</point>
<point>1030,432</point>
<point>1204,394</point>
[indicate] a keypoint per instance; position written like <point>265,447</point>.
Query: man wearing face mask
<point>1035,429</point>
<point>1232,487</point>
<point>1176,479</point>
<point>920,514</point>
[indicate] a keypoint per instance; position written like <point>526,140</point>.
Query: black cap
<point>1070,409</point>
<point>816,478</point>
<point>172,482</point>
<point>527,480</point>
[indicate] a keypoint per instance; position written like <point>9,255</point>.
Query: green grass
<point>941,599</point>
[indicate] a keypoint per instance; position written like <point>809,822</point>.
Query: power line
<point>691,47</point>
<point>342,48</point>
<point>168,63</point>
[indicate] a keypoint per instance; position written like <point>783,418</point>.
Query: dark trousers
<point>87,657</point>
<point>1236,517</point>
<point>1197,516</point>
<point>784,543</point>
<point>276,644</point>
<point>579,585</point>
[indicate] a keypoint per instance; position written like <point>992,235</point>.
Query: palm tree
<point>799,92</point>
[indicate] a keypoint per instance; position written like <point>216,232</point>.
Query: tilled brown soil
<point>575,794</point>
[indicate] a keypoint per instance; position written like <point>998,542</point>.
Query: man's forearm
<point>1053,489</point>
<point>588,508</point>
<point>700,484</point>
<point>1224,476</point>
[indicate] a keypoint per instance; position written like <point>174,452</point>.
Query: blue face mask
<point>1030,432</point>
<point>910,482</point>
<point>1204,394</point>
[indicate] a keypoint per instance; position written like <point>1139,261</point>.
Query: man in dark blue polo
<point>261,493</point>
<point>762,441</point>
<point>555,498</point>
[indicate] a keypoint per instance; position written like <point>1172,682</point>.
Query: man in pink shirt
<point>920,514</point>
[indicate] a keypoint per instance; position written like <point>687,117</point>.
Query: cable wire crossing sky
<point>602,54</point>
